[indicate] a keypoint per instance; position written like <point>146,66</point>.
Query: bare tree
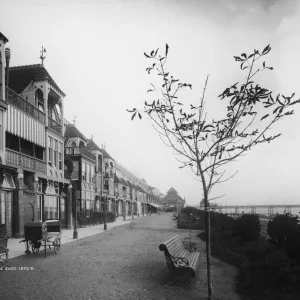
<point>208,145</point>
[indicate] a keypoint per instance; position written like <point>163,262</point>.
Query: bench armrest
<point>180,262</point>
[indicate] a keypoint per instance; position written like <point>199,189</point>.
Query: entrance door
<point>28,215</point>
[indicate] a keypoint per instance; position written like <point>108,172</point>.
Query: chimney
<point>3,41</point>
<point>7,58</point>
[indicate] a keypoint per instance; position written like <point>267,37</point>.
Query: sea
<point>264,210</point>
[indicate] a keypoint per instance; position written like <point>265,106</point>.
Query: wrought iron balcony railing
<point>54,125</point>
<point>79,151</point>
<point>23,161</point>
<point>17,101</point>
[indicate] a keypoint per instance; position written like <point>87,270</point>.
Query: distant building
<point>173,200</point>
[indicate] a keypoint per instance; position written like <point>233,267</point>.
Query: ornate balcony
<point>79,151</point>
<point>17,101</point>
<point>25,162</point>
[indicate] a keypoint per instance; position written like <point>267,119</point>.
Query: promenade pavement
<point>17,249</point>
<point>123,263</point>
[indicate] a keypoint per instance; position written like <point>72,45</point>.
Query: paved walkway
<point>123,263</point>
<point>17,249</point>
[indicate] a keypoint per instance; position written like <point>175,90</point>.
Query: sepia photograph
<point>149,149</point>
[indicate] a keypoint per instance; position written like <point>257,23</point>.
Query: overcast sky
<point>95,55</point>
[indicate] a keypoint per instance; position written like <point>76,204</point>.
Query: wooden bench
<point>182,260</point>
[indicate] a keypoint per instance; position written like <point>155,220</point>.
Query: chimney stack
<point>7,58</point>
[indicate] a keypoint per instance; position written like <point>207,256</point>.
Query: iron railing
<point>52,124</point>
<point>23,161</point>
<point>17,101</point>
<point>79,151</point>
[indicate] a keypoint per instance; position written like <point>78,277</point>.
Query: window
<point>2,208</point>
<point>55,153</point>
<point>88,207</point>
<point>40,186</point>
<point>39,207</point>
<point>39,100</point>
<point>51,207</point>
<point>93,175</point>
<point>83,172</point>
<point>60,150</point>
<point>50,151</point>
<point>62,208</point>
<point>88,173</point>
<point>56,187</point>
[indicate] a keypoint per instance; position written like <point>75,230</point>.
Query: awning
<point>155,205</point>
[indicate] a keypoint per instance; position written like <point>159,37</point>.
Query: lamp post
<point>102,187</point>
<point>105,210</point>
<point>75,232</point>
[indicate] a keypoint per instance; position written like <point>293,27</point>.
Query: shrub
<point>293,245</point>
<point>247,227</point>
<point>281,227</point>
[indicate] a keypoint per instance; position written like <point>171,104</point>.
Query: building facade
<point>32,145</point>
<point>172,200</point>
<point>37,148</point>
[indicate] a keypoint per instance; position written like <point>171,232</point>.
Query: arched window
<point>73,144</point>
<point>39,100</point>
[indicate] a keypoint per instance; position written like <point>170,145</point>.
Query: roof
<point>106,155</point>
<point>117,179</point>
<point>21,76</point>
<point>129,184</point>
<point>92,145</point>
<point>173,197</point>
<point>72,131</point>
<point>3,38</point>
<point>123,181</point>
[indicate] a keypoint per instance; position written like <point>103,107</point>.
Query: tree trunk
<point>208,251</point>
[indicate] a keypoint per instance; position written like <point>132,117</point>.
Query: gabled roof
<point>92,145</point>
<point>173,197</point>
<point>106,155</point>
<point>3,38</point>
<point>117,179</point>
<point>72,131</point>
<point>21,76</point>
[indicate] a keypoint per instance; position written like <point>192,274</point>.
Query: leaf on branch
<point>265,116</point>
<point>297,101</point>
<point>149,91</point>
<point>133,116</point>
<point>155,53</point>
<point>244,55</point>
<point>146,55</point>
<point>266,50</point>
<point>152,52</point>
<point>167,49</point>
<point>140,116</point>
<point>134,109</point>
<point>237,58</point>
